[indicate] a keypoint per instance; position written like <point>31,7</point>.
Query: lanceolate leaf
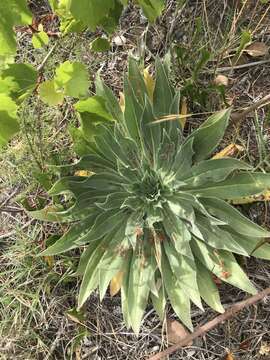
<point>69,240</point>
<point>136,81</point>
<point>183,160</point>
<point>111,101</point>
<point>207,288</point>
<point>233,217</point>
<point>238,185</point>
<point>111,264</point>
<point>223,265</point>
<point>184,270</point>
<point>218,238</point>
<point>159,302</point>
<point>213,171</point>
<point>208,136</point>
<point>163,93</point>
<point>139,278</point>
<point>90,278</point>
<point>178,298</point>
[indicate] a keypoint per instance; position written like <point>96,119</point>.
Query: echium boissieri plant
<point>153,212</point>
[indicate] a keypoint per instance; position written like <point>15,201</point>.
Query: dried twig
<point>238,116</point>
<point>242,66</point>
<point>202,330</point>
<point>56,341</point>
<point>41,66</point>
<point>9,198</point>
<point>12,233</point>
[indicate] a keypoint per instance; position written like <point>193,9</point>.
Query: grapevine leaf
<point>100,45</point>
<point>73,79</point>
<point>96,106</point>
<point>8,119</point>
<point>91,12</point>
<point>40,38</point>
<point>24,78</point>
<point>152,8</point>
<point>13,12</point>
<point>49,94</point>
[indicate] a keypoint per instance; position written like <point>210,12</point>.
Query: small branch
<point>8,198</point>
<point>242,66</point>
<point>56,341</point>
<point>202,330</point>
<point>41,66</point>
<point>238,116</point>
<point>8,209</point>
<point>12,233</point>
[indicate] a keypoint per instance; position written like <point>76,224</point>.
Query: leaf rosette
<point>154,207</point>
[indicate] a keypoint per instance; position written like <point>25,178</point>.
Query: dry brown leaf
<point>149,82</point>
<point>49,260</point>
<point>172,117</point>
<point>122,101</point>
<point>176,332</point>
<point>229,356</point>
<point>265,349</point>
<point>245,345</point>
<point>229,150</point>
<point>221,80</point>
<point>78,353</point>
<point>77,316</point>
<point>264,196</point>
<point>183,112</point>
<point>84,173</point>
<point>257,49</point>
<point>116,282</point>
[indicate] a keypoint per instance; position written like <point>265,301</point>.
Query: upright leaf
<point>209,134</point>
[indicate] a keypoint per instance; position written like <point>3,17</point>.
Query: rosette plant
<point>153,212</point>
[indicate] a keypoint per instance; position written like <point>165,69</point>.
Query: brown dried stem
<point>239,116</point>
<point>202,330</point>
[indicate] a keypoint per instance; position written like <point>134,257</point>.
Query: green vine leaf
<point>8,119</point>
<point>49,94</point>
<point>40,39</point>
<point>100,45</point>
<point>13,12</point>
<point>152,8</point>
<point>73,78</point>
<point>22,78</point>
